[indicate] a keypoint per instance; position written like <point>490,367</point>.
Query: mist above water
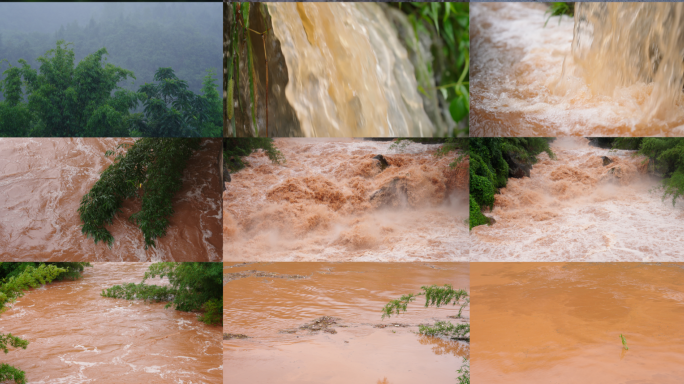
<point>318,205</point>
<point>615,70</point>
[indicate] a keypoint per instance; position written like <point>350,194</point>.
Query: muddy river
<point>319,204</point>
<point>576,209</point>
<point>43,180</point>
<point>266,309</point>
<point>77,336</point>
<point>613,70</point>
<point>561,323</point>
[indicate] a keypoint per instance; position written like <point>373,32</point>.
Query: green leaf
<point>458,108</point>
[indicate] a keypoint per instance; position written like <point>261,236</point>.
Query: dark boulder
<point>226,176</point>
<point>491,220</point>
<point>392,194</point>
<point>382,162</point>
<point>606,160</point>
<point>516,167</point>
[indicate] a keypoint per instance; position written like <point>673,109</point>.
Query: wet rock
<point>391,325</point>
<point>382,163</point>
<point>392,194</point>
<point>324,323</point>
<point>254,273</point>
<point>606,160</point>
<point>229,336</point>
<point>516,167</point>
<point>226,176</point>
<point>490,220</point>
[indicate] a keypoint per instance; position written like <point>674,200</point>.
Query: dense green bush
<point>193,286</point>
<point>489,171</point>
<point>72,270</point>
<point>151,169</point>
<point>667,155</point>
<point>236,148</point>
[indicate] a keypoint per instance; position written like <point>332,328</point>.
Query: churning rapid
<point>331,201</point>
<point>78,336</point>
<point>582,207</point>
<point>540,322</point>
<point>349,75</point>
<point>42,183</point>
<point>267,303</point>
<point>616,71</point>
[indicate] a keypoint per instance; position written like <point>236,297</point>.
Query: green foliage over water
<point>451,23</point>
<point>559,9</point>
<point>489,171</point>
<point>193,286</point>
<point>19,277</point>
<point>234,149</point>
<point>152,170</point>
<point>72,270</point>
<point>437,296</point>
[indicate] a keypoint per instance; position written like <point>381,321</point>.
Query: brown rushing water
<point>355,292</point>
<point>576,209</point>
<point>317,205</point>
<point>43,180</point>
<point>614,70</point>
<point>77,336</point>
<point>561,323</point>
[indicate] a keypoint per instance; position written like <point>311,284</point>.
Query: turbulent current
<point>43,180</point>
<point>349,75</point>
<point>575,208</point>
<point>77,336</point>
<point>270,307</point>
<point>615,70</point>
<point>332,201</point>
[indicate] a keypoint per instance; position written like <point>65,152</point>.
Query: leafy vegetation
<point>65,99</point>
<point>17,278</point>
<point>152,170</point>
<point>489,170</point>
<point>624,342</point>
<point>72,270</point>
<point>437,296</point>
<point>193,286</point>
<point>240,45</point>
<point>559,9</point>
<point>236,148</point>
<point>450,22</point>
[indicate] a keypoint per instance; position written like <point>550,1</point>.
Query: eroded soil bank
<point>321,323</point>
<point>561,322</point>
<point>77,336</point>
<point>575,208</point>
<point>332,201</point>
<point>43,180</point>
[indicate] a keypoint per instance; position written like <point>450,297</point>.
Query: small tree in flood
<point>193,287</point>
<point>438,296</point>
<point>10,289</point>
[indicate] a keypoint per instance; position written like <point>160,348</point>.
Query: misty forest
<point>110,70</point>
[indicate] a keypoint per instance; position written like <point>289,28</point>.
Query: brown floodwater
<point>43,180</point>
<point>614,70</point>
<point>77,336</point>
<point>574,208</point>
<point>561,323</point>
<point>260,307</point>
<point>317,206</point>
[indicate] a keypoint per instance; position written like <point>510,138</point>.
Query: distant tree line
<point>66,99</point>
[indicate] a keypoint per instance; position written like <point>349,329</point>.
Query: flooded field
<point>575,208</point>
<point>77,336</point>
<point>43,180</point>
<point>267,302</point>
<point>613,70</point>
<point>332,201</point>
<point>561,323</point>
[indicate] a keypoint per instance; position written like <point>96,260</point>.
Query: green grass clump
<point>559,9</point>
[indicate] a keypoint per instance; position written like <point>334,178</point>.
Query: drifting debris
<point>228,336</point>
<point>254,273</point>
